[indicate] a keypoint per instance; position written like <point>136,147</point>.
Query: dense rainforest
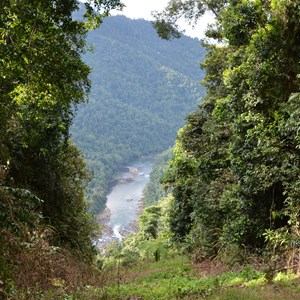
<point>233,182</point>
<point>227,225</point>
<point>236,166</point>
<point>142,89</point>
<point>155,190</point>
<point>44,225</point>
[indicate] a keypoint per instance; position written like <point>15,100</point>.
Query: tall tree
<point>42,79</point>
<point>242,141</point>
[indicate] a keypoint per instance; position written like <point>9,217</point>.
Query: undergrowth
<point>175,279</point>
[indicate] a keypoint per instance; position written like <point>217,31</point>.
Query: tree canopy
<point>235,173</point>
<point>42,79</point>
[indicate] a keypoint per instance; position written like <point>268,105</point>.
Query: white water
<point>116,232</point>
<point>124,199</point>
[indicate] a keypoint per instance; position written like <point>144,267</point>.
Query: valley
<point>142,89</point>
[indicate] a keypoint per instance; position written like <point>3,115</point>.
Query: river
<point>124,200</point>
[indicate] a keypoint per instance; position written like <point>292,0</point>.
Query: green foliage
<point>148,222</point>
<point>166,23</point>
<point>76,227</point>
<point>152,242</point>
<point>19,215</point>
<point>42,175</point>
<point>174,279</point>
<point>166,30</point>
<point>177,281</point>
<point>235,170</point>
<point>155,190</point>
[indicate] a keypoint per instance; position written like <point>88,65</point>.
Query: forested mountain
<point>142,89</point>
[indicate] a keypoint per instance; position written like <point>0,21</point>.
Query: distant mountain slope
<point>143,87</point>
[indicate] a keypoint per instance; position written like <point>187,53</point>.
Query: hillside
<point>142,89</point>
<point>228,229</point>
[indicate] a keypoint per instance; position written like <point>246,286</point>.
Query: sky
<point>142,9</point>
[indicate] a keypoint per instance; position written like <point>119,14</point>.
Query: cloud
<point>136,9</point>
<point>142,8</point>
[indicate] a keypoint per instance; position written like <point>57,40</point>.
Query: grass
<point>287,291</point>
<point>177,279</point>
